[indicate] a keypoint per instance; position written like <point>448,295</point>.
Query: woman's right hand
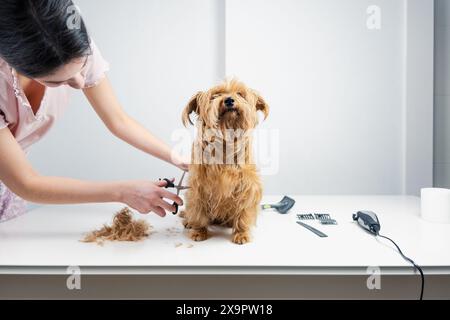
<point>146,196</point>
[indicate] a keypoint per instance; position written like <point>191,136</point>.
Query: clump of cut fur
<point>123,228</point>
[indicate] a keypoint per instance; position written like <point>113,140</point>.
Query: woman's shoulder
<point>6,83</point>
<point>96,67</point>
<point>6,77</point>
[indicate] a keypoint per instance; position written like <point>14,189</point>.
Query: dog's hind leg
<point>186,224</point>
<point>185,221</point>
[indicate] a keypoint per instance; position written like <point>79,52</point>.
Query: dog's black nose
<point>229,102</point>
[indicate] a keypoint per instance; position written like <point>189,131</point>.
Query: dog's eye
<point>240,94</point>
<point>215,96</point>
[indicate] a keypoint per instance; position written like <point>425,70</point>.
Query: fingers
<point>163,183</point>
<point>169,195</point>
<point>159,211</point>
<point>164,205</point>
<point>172,196</point>
<point>156,208</point>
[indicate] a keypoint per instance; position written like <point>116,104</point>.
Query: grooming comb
<point>328,222</point>
<point>322,216</point>
<point>305,216</point>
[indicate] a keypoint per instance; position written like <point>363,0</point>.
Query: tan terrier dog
<point>225,188</point>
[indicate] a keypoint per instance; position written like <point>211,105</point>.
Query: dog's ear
<point>261,105</point>
<point>192,106</point>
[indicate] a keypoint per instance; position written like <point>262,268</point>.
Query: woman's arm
<point>18,175</point>
<point>106,105</point>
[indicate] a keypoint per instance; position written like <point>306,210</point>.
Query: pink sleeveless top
<point>27,127</point>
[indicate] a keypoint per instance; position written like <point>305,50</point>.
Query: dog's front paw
<point>199,234</point>
<point>241,238</point>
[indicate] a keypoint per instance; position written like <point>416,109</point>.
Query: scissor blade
<point>181,180</point>
<point>180,186</point>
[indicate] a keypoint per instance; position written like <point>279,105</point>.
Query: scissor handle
<point>176,208</point>
<point>170,184</point>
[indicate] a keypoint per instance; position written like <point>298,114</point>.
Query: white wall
<point>418,96</point>
<point>161,52</point>
<point>336,88</point>
<point>442,95</point>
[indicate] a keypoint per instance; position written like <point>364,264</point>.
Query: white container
<point>435,205</point>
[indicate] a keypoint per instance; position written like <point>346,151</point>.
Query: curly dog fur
<point>225,192</point>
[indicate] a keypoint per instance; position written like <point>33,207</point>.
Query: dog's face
<point>230,105</point>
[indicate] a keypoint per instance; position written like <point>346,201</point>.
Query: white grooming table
<point>46,241</point>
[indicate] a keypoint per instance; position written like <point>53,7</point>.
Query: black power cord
<point>410,261</point>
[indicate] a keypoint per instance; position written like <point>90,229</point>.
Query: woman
<point>44,52</point>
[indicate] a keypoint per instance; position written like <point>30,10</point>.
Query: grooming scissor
<point>179,188</point>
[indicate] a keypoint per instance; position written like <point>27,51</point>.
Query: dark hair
<point>38,36</point>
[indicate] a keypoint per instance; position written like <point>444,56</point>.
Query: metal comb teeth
<point>305,216</point>
<point>328,221</point>
<point>322,216</point>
